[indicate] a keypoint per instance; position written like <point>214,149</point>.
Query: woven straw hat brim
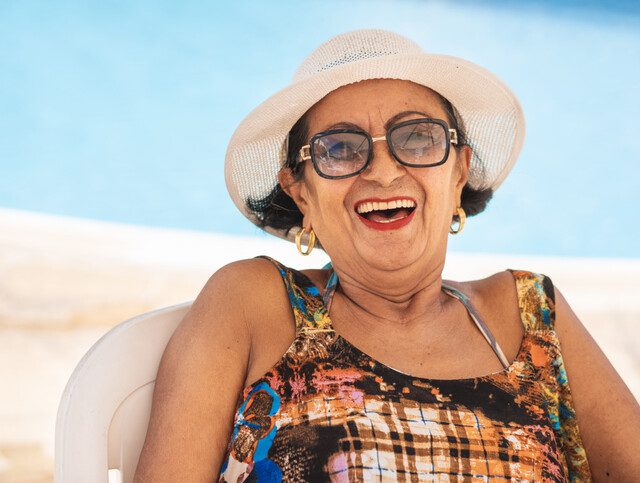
<point>491,113</point>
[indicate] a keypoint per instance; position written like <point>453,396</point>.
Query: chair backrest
<point>104,410</point>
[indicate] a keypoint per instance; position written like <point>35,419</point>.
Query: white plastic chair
<point>104,410</point>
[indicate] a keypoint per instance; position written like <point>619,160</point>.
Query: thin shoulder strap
<point>448,289</point>
<point>332,283</point>
<point>536,299</point>
<point>330,287</point>
<point>308,309</point>
<point>536,296</point>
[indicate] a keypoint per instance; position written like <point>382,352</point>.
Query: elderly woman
<point>374,367</point>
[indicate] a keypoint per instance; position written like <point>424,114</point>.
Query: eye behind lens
<point>420,143</point>
<point>341,153</point>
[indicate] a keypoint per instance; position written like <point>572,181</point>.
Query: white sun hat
<point>490,112</point>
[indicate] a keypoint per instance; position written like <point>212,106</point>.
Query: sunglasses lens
<point>420,144</point>
<point>340,154</point>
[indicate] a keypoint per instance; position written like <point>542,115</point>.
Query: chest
<point>363,421</point>
<point>454,349</point>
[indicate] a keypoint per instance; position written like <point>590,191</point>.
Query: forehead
<point>375,100</point>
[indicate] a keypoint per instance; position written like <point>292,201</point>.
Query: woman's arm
<point>608,414</point>
<point>200,377</point>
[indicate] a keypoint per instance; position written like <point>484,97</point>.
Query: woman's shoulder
<point>496,299</point>
<point>260,286</point>
<point>499,288</point>
<point>263,282</point>
<point>514,284</point>
<point>273,274</point>
<point>241,268</point>
<point>509,302</point>
<point>254,280</point>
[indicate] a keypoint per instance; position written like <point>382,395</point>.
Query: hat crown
<point>489,112</point>
<point>354,46</point>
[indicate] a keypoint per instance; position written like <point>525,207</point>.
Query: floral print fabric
<point>329,412</point>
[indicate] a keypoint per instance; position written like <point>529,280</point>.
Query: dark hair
<point>278,210</point>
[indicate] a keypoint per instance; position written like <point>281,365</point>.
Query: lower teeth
<point>390,220</point>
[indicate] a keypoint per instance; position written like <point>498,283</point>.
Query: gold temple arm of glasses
<point>305,155</point>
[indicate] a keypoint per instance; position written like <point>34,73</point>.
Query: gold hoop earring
<point>312,240</point>
<point>462,216</point>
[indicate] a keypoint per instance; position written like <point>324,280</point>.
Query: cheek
<point>328,198</point>
<point>320,195</point>
<point>332,200</point>
<point>439,191</point>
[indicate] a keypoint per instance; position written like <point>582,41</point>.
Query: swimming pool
<point>122,112</point>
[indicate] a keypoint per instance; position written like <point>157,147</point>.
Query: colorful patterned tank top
<point>329,412</point>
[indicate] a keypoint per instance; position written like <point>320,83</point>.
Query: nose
<point>383,167</point>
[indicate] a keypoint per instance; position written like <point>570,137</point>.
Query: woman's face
<point>330,205</point>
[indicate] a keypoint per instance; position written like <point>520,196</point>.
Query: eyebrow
<point>400,115</point>
<point>392,120</point>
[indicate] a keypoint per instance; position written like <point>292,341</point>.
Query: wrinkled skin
<point>385,276</point>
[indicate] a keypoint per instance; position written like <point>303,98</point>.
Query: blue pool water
<point>122,110</point>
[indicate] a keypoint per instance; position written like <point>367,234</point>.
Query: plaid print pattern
<point>339,415</point>
<point>396,441</point>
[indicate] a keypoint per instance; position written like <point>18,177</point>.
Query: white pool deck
<point>65,281</point>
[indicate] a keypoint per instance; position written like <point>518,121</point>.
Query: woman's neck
<point>407,299</point>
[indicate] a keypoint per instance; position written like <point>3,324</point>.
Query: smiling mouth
<point>386,212</point>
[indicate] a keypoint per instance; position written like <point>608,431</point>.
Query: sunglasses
<point>342,153</point>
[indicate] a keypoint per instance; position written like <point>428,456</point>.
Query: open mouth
<point>392,213</point>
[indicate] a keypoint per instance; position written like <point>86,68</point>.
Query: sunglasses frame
<point>306,152</point>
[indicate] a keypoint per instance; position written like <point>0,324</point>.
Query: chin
<point>391,256</point>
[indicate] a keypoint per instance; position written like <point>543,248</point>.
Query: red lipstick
<point>385,226</point>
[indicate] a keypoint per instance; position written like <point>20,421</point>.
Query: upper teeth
<point>383,205</point>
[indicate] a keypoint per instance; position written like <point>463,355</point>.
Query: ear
<point>463,163</point>
<point>293,187</point>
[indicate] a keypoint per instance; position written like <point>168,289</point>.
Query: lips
<point>386,213</point>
